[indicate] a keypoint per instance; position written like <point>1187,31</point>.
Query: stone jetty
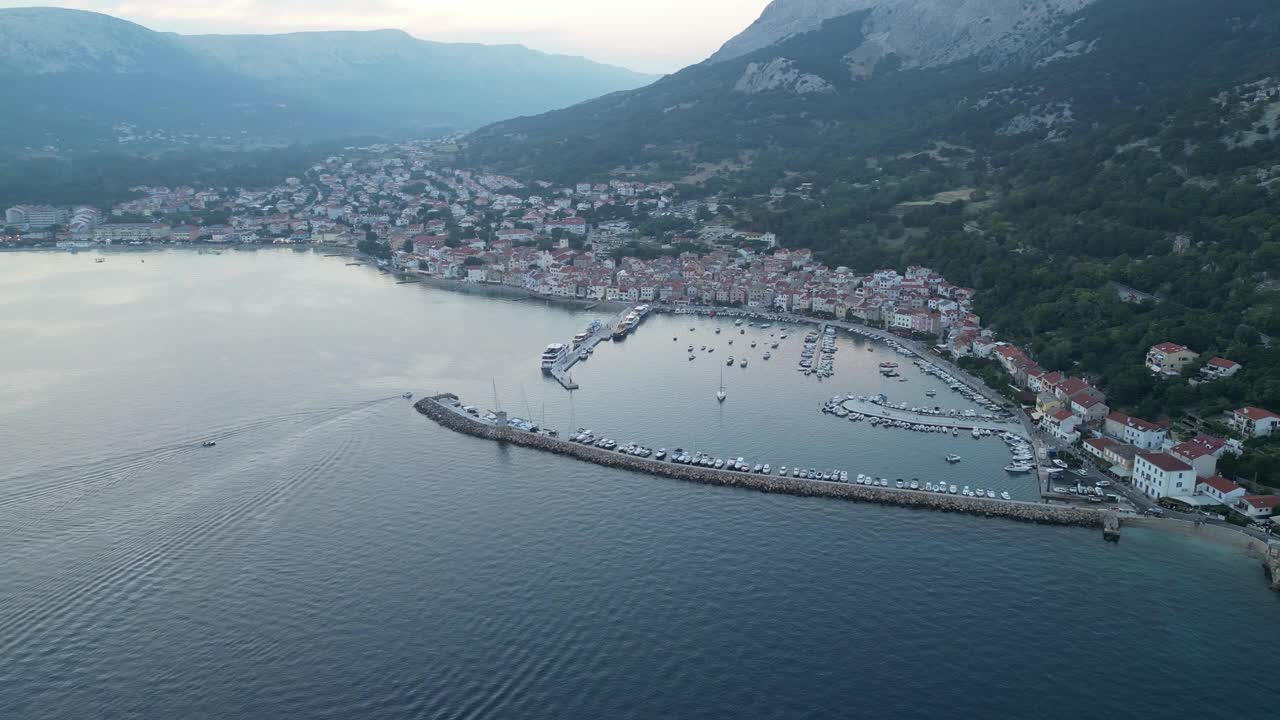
<point>444,410</point>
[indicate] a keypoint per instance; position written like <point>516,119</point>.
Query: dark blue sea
<point>336,555</point>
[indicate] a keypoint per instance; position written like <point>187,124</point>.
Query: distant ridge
<point>79,73</point>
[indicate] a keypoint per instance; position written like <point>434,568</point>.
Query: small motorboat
<point>208,443</point>
<point>953,458</point>
<point>407,396</point>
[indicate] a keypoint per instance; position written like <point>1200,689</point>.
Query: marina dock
<point>616,328</point>
<point>868,409</point>
<point>446,410</point>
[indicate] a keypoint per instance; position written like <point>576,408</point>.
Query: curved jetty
<point>446,410</point>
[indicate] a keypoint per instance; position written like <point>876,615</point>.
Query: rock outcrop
<point>779,74</point>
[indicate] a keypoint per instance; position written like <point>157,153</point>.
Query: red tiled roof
<point>1061,415</point>
<point>1262,502</point>
<point>1256,414</point>
<point>1223,363</point>
<point>1085,401</point>
<point>1071,386</point>
<point>1168,347</point>
<point>1100,444</point>
<point>1134,422</point>
<point>1167,463</point>
<point>1211,443</point>
<point>1221,484</point>
<point>1190,451</point>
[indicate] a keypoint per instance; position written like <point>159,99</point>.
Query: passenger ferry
<point>552,355</point>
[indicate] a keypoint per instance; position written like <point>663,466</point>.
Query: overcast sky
<point>645,35</point>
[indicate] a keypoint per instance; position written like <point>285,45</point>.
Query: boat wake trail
<point>83,591</point>
<point>38,493</point>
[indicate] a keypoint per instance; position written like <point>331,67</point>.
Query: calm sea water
<point>336,555</point>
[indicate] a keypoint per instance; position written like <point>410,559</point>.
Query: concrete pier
<point>442,409</point>
<point>1272,566</point>
<point>1111,528</point>
<point>560,371</point>
<point>959,422</point>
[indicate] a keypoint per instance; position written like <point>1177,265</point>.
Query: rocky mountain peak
<point>923,33</point>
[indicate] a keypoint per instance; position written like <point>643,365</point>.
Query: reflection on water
<point>337,555</point>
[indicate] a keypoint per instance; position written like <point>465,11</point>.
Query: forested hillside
<point>1139,149</point>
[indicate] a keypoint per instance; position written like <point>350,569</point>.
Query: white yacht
<point>552,355</point>
<point>721,394</point>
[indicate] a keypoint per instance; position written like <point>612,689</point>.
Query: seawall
<point>437,409</point>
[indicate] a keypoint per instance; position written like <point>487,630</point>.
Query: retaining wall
<point>1020,511</point>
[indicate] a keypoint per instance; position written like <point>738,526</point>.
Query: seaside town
<point>636,242</point>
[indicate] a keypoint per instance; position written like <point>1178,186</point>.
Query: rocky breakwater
<point>442,410</point>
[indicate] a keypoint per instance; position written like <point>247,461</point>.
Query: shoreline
<point>505,291</point>
<point>1216,534</point>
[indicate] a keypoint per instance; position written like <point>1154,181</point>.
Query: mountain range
<point>1053,154</point>
<point>76,74</point>
<point>821,79</point>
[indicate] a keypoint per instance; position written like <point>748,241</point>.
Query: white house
<point>1062,425</point>
<point>1218,368</point>
<point>1220,489</point>
<point>1135,431</point>
<point>1168,358</point>
<point>1159,476</point>
<point>1202,453</point>
<point>1254,422</point>
<point>1257,506</point>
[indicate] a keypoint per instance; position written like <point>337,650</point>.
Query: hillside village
<point>597,242</point>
